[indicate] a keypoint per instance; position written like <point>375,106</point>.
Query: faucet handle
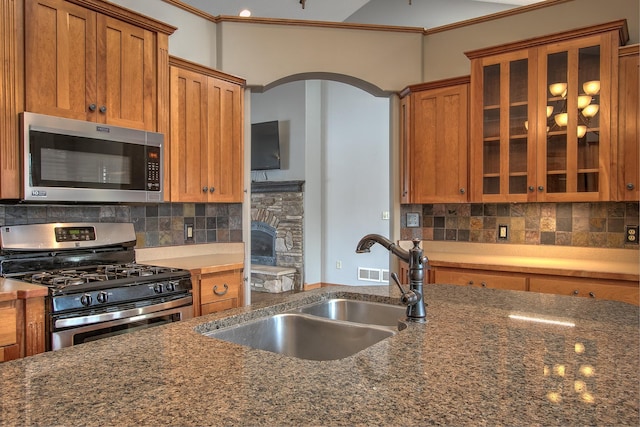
<point>408,298</point>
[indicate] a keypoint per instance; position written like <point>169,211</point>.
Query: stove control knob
<point>86,300</point>
<point>171,286</point>
<point>158,288</point>
<point>102,297</point>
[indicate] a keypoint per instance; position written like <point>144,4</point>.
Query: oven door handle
<point>105,317</point>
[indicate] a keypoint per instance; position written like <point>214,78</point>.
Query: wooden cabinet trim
<point>201,69</point>
<point>126,15</point>
<point>619,25</point>
<point>437,84</point>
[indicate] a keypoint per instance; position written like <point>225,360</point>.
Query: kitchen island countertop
<point>471,364</point>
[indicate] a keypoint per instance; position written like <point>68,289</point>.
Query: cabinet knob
<point>540,188</point>
<point>592,294</point>
<point>205,189</point>
<point>532,188</point>
<point>462,190</point>
<point>470,282</point>
<point>226,289</point>
<point>576,292</point>
<point>103,109</point>
<point>630,186</point>
<point>92,107</point>
<point>212,189</point>
<point>483,284</point>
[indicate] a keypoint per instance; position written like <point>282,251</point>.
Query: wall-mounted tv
<point>265,146</point>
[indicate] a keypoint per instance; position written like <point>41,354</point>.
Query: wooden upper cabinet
<point>542,117</point>
<point>189,162</point>
<point>207,137</point>
<point>434,142</point>
<point>628,156</point>
<point>86,65</point>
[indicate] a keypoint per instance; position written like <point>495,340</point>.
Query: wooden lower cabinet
<point>608,289</point>
<point>479,278</point>
<point>616,290</point>
<point>217,291</point>
<point>9,347</point>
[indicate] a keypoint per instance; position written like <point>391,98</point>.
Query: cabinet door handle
<point>92,107</point>
<point>540,188</point>
<point>103,109</point>
<point>205,189</point>
<point>470,282</point>
<point>226,289</point>
<point>462,190</point>
<point>212,189</point>
<point>532,188</point>
<point>576,292</point>
<point>483,284</point>
<point>630,186</point>
<point>592,294</point>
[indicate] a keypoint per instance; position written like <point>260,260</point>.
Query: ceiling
<point>420,13</point>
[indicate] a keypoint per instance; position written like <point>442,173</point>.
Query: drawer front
<point>218,306</point>
<point>8,334</point>
<point>218,287</point>
<point>10,352</point>
<point>485,280</point>
<point>587,288</point>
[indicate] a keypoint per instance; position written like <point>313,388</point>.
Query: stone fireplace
<point>263,243</point>
<point>277,213</point>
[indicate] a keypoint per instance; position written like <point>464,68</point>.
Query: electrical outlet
<point>188,232</point>
<point>338,265</point>
<point>413,219</point>
<point>631,234</point>
<point>503,232</point>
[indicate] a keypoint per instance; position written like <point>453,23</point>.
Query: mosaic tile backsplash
<point>160,224</point>
<point>564,224</point>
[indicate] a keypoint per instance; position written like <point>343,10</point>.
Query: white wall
<point>284,103</point>
<point>355,180</point>
<point>338,143</point>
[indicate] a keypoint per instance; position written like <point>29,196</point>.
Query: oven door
<point>77,330</point>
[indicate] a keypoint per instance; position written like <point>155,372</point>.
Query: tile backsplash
<point>160,224</point>
<point>564,224</point>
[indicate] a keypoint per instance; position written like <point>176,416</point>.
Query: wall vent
<point>373,274</point>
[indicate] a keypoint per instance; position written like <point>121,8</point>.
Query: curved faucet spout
<point>364,245</point>
<point>414,299</point>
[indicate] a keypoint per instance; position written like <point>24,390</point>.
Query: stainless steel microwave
<point>75,161</point>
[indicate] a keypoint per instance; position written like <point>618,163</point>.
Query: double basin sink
<point>326,330</point>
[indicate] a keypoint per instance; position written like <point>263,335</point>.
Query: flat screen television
<point>265,146</point>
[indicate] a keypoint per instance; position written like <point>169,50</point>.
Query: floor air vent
<point>373,274</point>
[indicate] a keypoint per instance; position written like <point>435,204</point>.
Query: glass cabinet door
<point>574,147</point>
<point>506,114</point>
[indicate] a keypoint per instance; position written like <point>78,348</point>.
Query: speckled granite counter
<point>471,364</point>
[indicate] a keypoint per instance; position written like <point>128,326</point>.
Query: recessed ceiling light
<point>245,12</point>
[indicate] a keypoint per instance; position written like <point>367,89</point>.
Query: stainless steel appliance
<point>72,160</point>
<point>96,289</point>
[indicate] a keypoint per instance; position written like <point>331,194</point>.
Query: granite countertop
<point>471,364</point>
<point>202,258</point>
<point>12,289</point>
<point>601,263</point>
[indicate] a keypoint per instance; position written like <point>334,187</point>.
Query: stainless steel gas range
<point>96,289</point>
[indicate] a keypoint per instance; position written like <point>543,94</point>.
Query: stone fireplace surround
<point>280,205</point>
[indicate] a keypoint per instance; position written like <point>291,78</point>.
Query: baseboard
<point>309,286</point>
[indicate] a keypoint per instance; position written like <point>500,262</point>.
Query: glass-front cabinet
<point>541,117</point>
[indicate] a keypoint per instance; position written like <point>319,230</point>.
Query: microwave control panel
<point>153,168</point>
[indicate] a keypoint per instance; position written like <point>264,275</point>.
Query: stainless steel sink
<point>304,336</point>
<point>365,312</point>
